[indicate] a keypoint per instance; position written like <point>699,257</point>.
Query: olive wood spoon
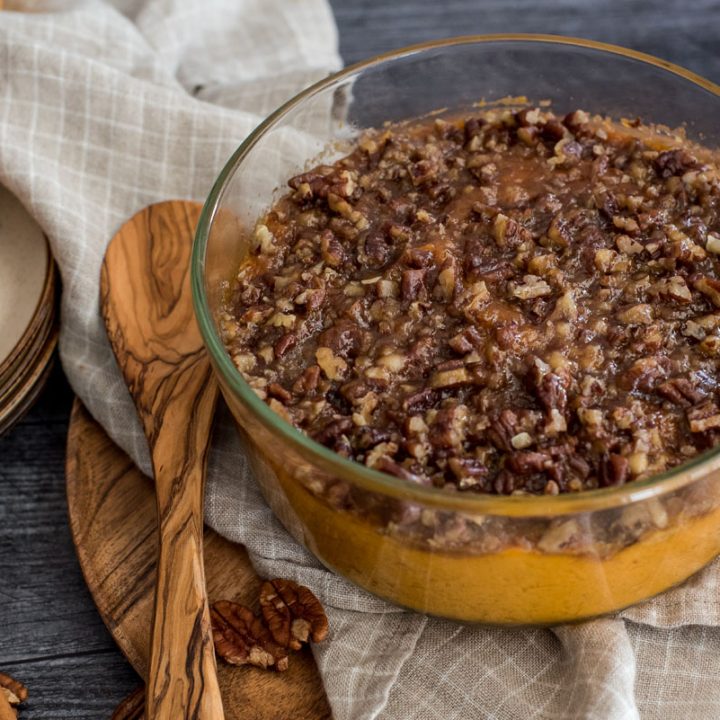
<point>146,303</point>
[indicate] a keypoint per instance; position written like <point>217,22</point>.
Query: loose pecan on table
<point>241,638</point>
<point>292,613</point>
<point>291,616</point>
<point>12,693</point>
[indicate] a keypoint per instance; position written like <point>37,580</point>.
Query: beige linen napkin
<point>109,107</point>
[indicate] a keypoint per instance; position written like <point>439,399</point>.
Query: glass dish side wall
<point>532,568</point>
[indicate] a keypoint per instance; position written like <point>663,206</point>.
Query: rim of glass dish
<point>328,460</point>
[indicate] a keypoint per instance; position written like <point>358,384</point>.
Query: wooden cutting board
<point>111,508</point>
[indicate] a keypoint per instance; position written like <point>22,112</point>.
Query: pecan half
<point>241,637</point>
<point>502,430</point>
<point>292,613</point>
<point>549,388</point>
<point>12,693</point>
<point>704,417</point>
<point>681,392</point>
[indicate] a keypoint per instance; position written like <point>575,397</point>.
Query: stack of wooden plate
<point>28,328</point>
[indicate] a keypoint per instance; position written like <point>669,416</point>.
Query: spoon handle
<point>182,680</point>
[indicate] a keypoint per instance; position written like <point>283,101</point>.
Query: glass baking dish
<point>478,558</point>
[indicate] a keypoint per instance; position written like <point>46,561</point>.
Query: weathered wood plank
<point>675,31</point>
<point>82,687</point>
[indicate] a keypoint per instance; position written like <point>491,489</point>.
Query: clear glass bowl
<point>489,559</point>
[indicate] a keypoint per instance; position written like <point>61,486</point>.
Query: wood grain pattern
<point>146,303</point>
<point>132,707</point>
<point>113,523</point>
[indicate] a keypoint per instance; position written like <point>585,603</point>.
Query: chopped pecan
<point>467,469</point>
<point>450,378</point>
<point>418,257</point>
<point>279,392</point>
<point>674,162</point>
<point>643,374</point>
<point>473,128</point>
<point>386,465</point>
<point>421,351</point>
<point>677,290</point>
<point>461,344</point>
<point>321,181</point>
<point>509,233</point>
<point>525,462</point>
<point>368,437</point>
<point>285,344</point>
<point>528,117</point>
<point>421,400</point>
<point>607,204</point>
<point>308,380</point>
<point>578,466</point>
<point>332,250</point>
<point>344,338</point>
<point>376,251</point>
<point>333,431</point>
<point>293,613</point>
<point>332,365</point>
<point>614,470</point>
<point>423,172</point>
<point>241,638</point>
<point>709,287</point>
<point>532,287</point>
<point>552,130</point>
<point>641,314</point>
<point>412,284</point>
<point>704,417</point>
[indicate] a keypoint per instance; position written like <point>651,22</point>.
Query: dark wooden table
<point>51,636</point>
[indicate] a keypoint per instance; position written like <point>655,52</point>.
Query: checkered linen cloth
<point>107,108</point>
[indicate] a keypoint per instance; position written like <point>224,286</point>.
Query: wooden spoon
<point>146,303</point>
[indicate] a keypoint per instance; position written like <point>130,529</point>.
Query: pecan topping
<point>386,465</point>
<point>412,284</point>
<point>550,388</point>
<point>681,391</point>
<point>512,301</point>
<point>293,613</point>
<point>284,344</point>
<point>674,162</point>
<point>704,417</point>
<point>614,470</point>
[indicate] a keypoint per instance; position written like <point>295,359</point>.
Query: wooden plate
<point>111,507</point>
